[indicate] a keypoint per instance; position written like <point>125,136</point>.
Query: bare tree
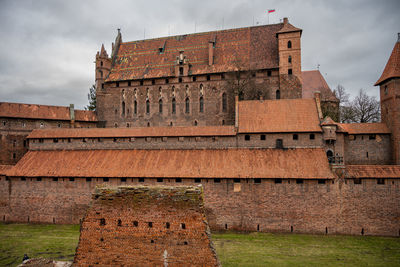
<point>362,108</point>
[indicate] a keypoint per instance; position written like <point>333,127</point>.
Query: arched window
<point>173,106</point>
<point>278,94</point>
<point>123,108</point>
<point>201,104</point>
<point>135,107</point>
<point>187,105</point>
<point>289,44</point>
<point>329,154</point>
<point>160,106</point>
<point>147,106</point>
<point>224,104</point>
<point>290,59</point>
<point>101,73</point>
<point>195,123</point>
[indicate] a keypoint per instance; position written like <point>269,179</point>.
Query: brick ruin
<point>146,226</point>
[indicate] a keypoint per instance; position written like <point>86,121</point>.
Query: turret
<point>103,67</point>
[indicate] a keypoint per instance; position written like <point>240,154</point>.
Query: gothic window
<point>135,107</point>
<point>147,106</point>
<point>160,106</point>
<point>173,106</point>
<point>224,104</point>
<point>278,94</point>
<point>123,108</point>
<point>187,105</point>
<point>201,104</point>
<point>290,59</point>
<point>101,63</point>
<point>289,44</point>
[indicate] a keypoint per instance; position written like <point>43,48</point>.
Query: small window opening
<point>386,90</point>
<point>217,180</point>
<point>152,241</point>
<point>14,156</point>
<point>222,76</point>
<point>135,107</point>
<point>150,224</point>
<point>185,243</point>
<point>88,179</point>
<point>71,179</point>
<point>291,229</point>
<point>278,94</point>
<point>115,139</point>
<point>106,179</point>
<point>257,180</point>
<point>380,181</point>
<point>173,106</point>
<point>180,80</point>
<point>141,180</point>
<point>160,180</point>
<point>279,143</point>
<point>24,179</point>
<point>102,222</point>
<point>101,63</point>
<point>372,137</point>
<point>223,122</point>
<point>269,73</point>
<point>135,223</point>
<point>141,82</point>
<point>123,180</point>
<point>178,180</point>
<point>236,180</point>
<point>208,77</point>
<point>180,70</point>
<point>321,181</point>
<point>201,104</point>
<point>167,225</point>
<point>119,222</point>
<point>226,226</point>
<point>55,179</point>
<point>147,106</point>
<point>153,82</point>
<point>278,180</point>
<point>167,80</point>
<point>247,137</point>
<point>160,106</point>
<point>362,231</point>
<point>129,83</point>
<point>299,181</point>
<point>312,136</point>
<point>197,180</point>
<point>290,59</point>
<point>194,78</point>
<point>326,230</point>
<point>262,137</point>
<point>367,154</point>
<point>117,84</point>
<point>258,227</point>
<point>290,71</point>
<point>357,181</point>
<point>187,105</point>
<point>295,137</point>
<point>183,226</point>
<point>289,44</point>
<point>224,103</point>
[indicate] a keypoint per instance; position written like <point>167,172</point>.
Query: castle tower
<point>103,66</point>
<point>289,50</point>
<point>389,83</point>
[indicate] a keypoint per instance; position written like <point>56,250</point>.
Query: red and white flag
<point>271,10</point>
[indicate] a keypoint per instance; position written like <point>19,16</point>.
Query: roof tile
<point>392,68</point>
<point>372,171</point>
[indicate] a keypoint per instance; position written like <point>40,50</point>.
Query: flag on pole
<point>271,10</point>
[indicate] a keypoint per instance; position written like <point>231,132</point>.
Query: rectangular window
<point>39,179</point>
<point>290,72</point>
<point>88,179</point>
<point>357,181</point>
<point>380,181</point>
<point>312,136</point>
<point>299,181</point>
<point>105,179</point>
<point>278,180</point>
<point>123,180</point>
<point>257,180</point>
<point>71,179</point>
<point>321,181</point>
<point>55,140</point>
<point>269,73</point>
<point>217,180</point>
<point>23,179</point>
<point>236,180</point>
<point>160,180</point>
<point>141,180</point>
<point>197,180</point>
<point>178,180</point>
<point>279,143</point>
<point>247,137</point>
<point>295,137</point>
<point>262,137</point>
<point>55,179</point>
<point>372,137</point>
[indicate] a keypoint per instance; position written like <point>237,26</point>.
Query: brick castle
<point>231,110</point>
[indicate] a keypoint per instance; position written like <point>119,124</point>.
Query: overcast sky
<point>47,48</point>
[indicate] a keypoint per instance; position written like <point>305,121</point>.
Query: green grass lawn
<point>255,249</point>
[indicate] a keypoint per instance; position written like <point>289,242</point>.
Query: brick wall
<point>146,226</point>
<point>360,149</point>
<point>338,205</point>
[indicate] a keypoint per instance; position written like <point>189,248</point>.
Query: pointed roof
<point>287,27</point>
<point>392,69</point>
<point>314,81</point>
<point>328,121</point>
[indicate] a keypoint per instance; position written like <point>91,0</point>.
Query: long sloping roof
<point>364,128</point>
<point>134,132</point>
<point>392,68</point>
<point>313,81</point>
<point>373,171</point>
<point>5,168</point>
<point>44,112</point>
<point>284,115</point>
<point>245,48</point>
<point>207,163</point>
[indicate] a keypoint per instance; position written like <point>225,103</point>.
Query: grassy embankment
<point>255,249</point>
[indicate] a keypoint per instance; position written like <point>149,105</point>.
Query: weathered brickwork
<point>146,226</point>
<point>311,206</point>
<point>367,149</point>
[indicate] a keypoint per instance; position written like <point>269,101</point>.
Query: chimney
<point>317,95</point>
<point>210,53</point>
<point>236,111</point>
<point>285,20</point>
<point>72,114</point>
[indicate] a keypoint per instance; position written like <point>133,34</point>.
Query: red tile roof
<point>392,68</point>
<point>284,115</point>
<point>253,47</point>
<point>328,121</point>
<point>372,171</point>
<point>134,132</point>
<point>44,112</point>
<point>206,163</point>
<point>287,27</point>
<point>364,128</point>
<point>5,168</point>
<point>313,81</point>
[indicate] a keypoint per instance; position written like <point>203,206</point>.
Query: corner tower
<point>389,84</point>
<point>289,51</point>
